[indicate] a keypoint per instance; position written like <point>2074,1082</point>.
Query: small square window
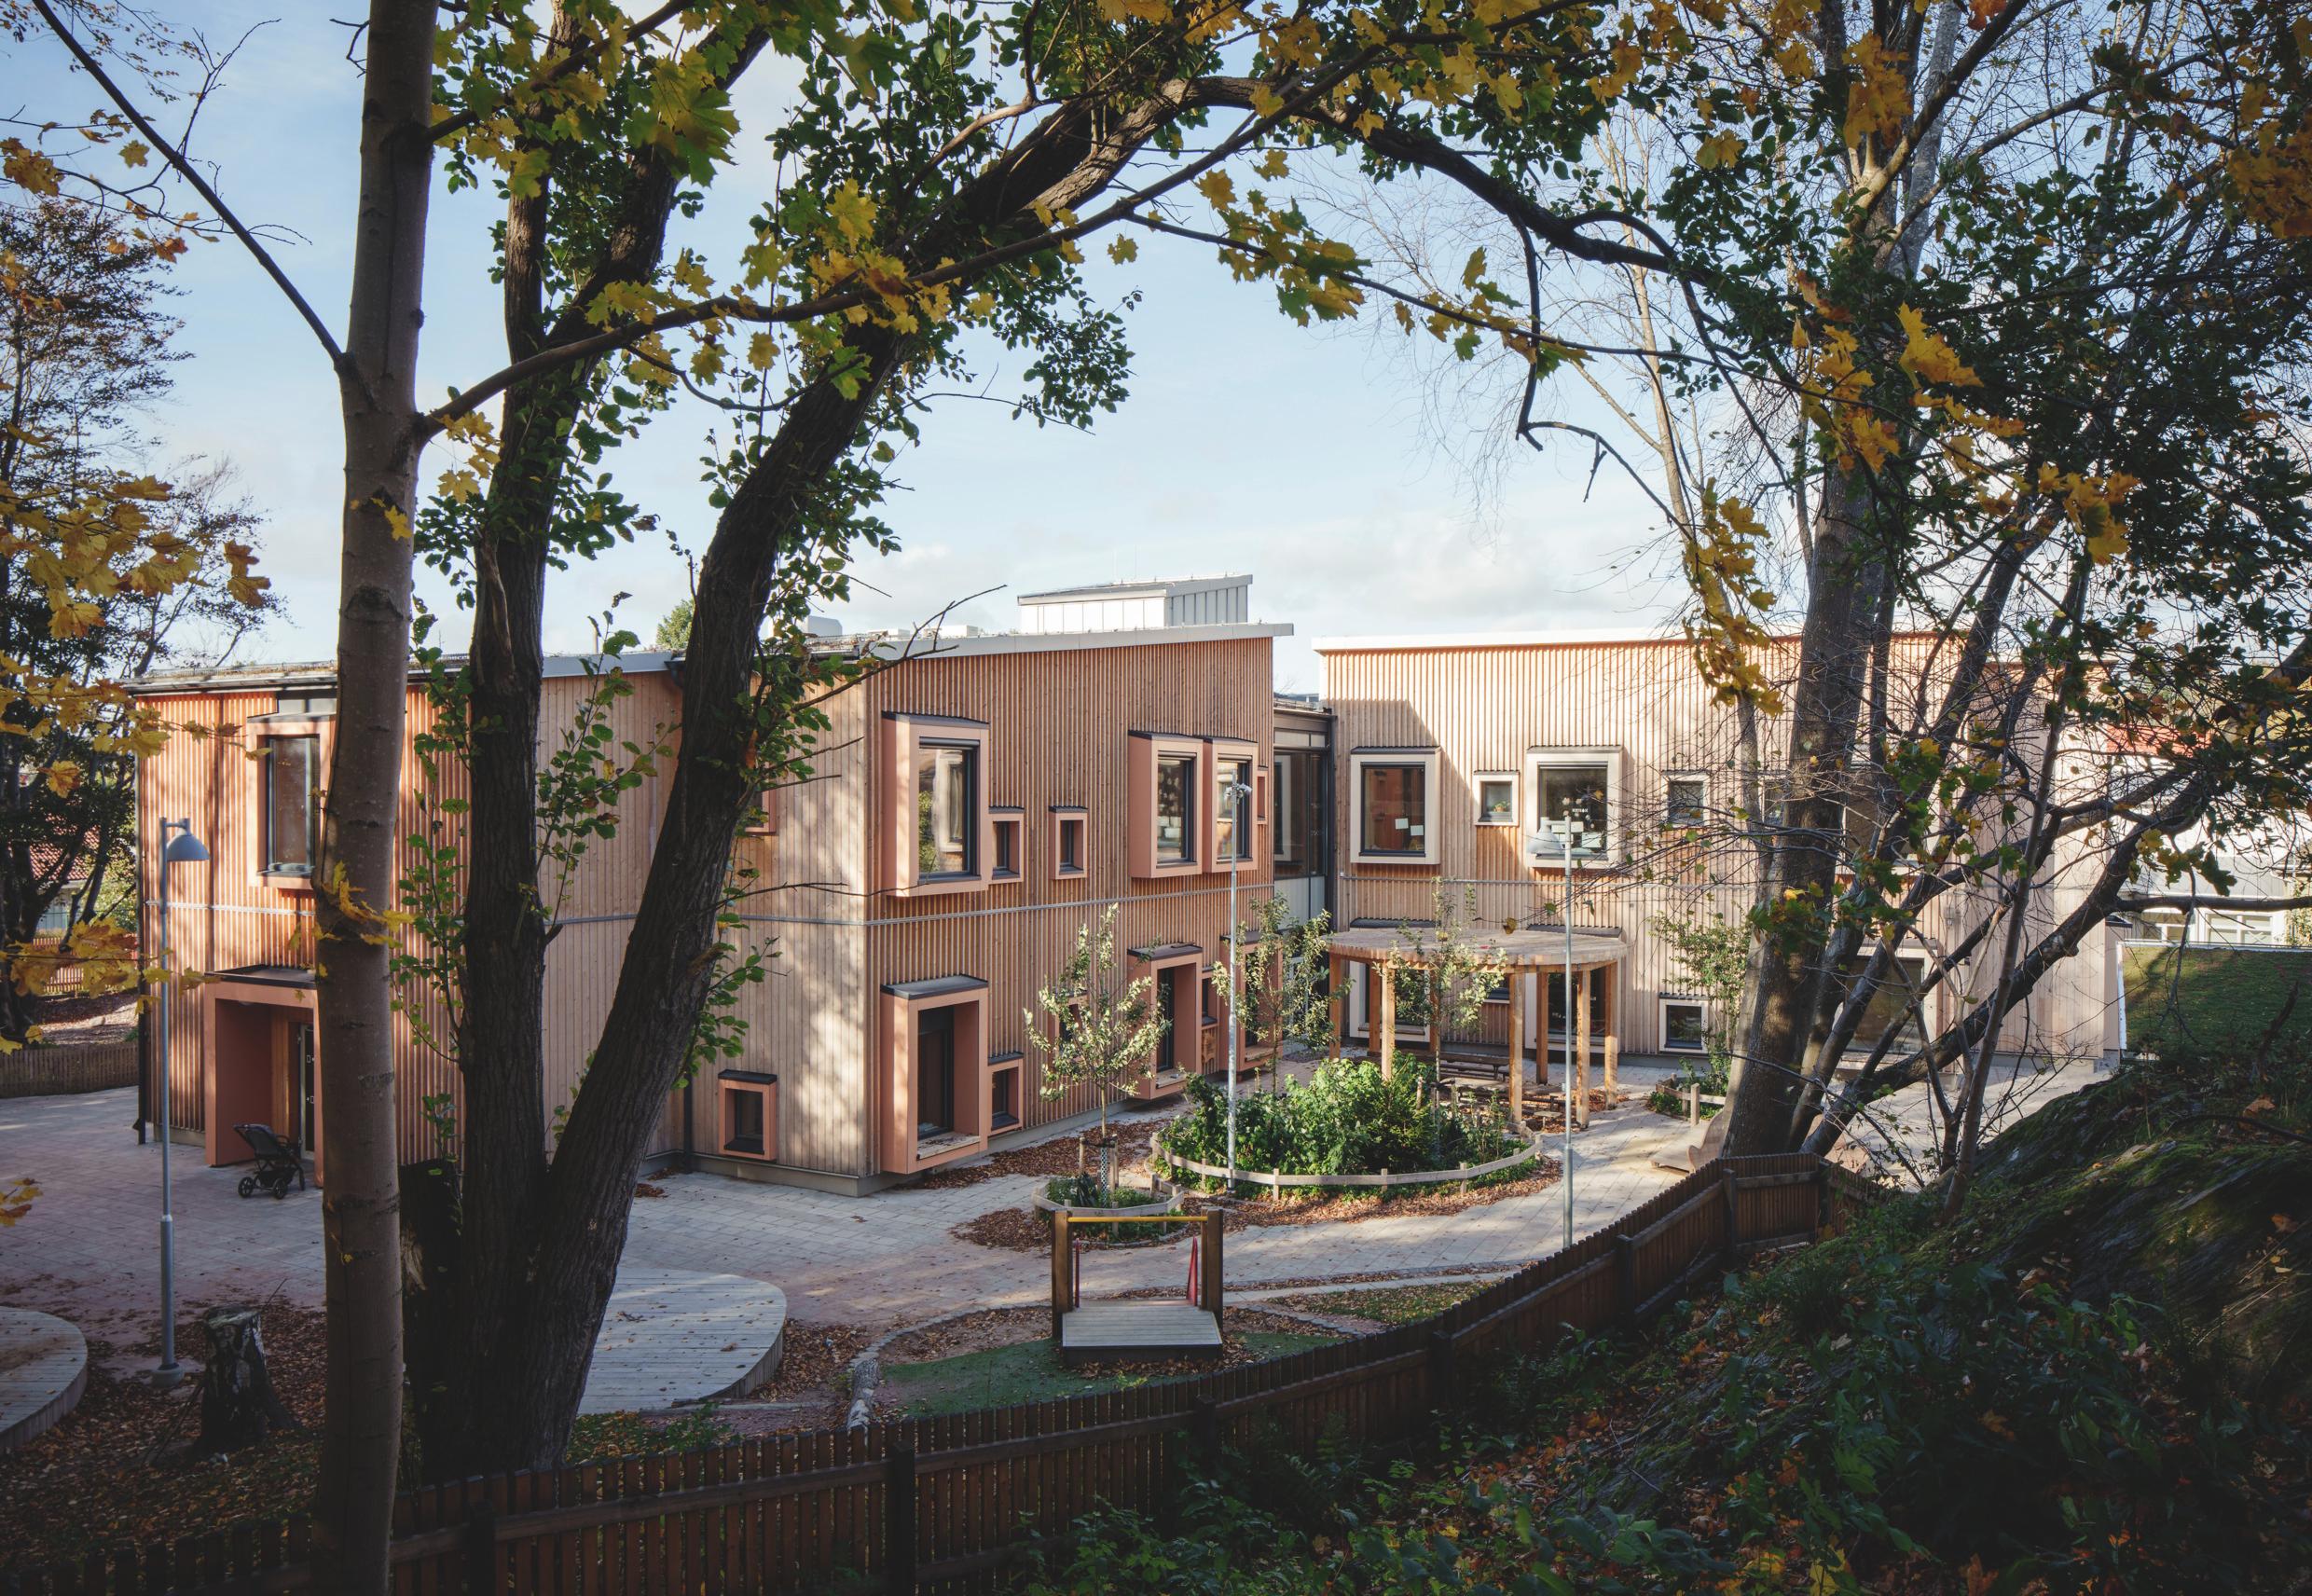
<point>750,1114</point>
<point>1686,801</point>
<point>1003,1091</point>
<point>1684,1025</point>
<point>1496,799</point>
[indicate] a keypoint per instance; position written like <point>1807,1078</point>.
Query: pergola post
<point>1613,1039</point>
<point>1337,998</point>
<point>1386,975</point>
<point>1580,1073</point>
<point>1436,989</point>
<point>1517,1049</point>
<point>1541,1029</point>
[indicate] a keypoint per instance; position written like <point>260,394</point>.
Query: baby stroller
<point>278,1162</point>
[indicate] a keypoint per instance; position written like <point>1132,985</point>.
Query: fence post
<point>1626,1276</point>
<point>1205,1427</point>
<point>1733,1213</point>
<point>899,1522</point>
<point>1213,1290</point>
<point>481,1549</point>
<point>1822,1197</point>
<point>1440,1368</point>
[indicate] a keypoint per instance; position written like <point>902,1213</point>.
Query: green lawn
<point>2219,996</point>
<point>1029,1371</point>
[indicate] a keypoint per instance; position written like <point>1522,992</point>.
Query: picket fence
<point>94,1067</point>
<point>947,1503</point>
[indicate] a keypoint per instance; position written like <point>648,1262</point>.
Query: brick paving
<point>88,1251</point>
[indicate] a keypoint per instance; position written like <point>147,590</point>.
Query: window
<point>1497,798</point>
<point>1686,801</point>
<point>763,822</point>
<point>935,1072</point>
<point>931,790</point>
<point>1011,826</point>
<point>1894,1001</point>
<point>1067,850</point>
<point>1392,800</point>
<point>1574,795</point>
<point>292,805</point>
<point>946,808</point>
<point>1684,1026</point>
<point>1397,810</point>
<point>1176,807</point>
<point>1231,811</point>
<point>748,1113</point>
<point>1003,1091</point>
<point>934,1099</point>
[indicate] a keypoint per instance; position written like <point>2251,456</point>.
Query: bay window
<point>940,827</point>
<point>946,806</point>
<point>1176,808</point>
<point>1231,810</point>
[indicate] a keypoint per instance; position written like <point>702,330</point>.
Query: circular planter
<point>1161,1205</point>
<point>1277,1181</point>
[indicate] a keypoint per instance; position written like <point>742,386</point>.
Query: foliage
<point>1450,965</point>
<point>1345,1120</point>
<point>2214,1000</point>
<point>111,572</point>
<point>1283,973</point>
<point>1904,1406</point>
<point>1085,1190</point>
<point>674,628</point>
<point>16,1197</point>
<point>1093,1028</point>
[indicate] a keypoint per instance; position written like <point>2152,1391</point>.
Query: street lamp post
<point>1238,796</point>
<point>1566,849</point>
<point>182,848</point>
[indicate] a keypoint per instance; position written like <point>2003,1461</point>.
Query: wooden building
<point>1497,771</point>
<point>975,806</point>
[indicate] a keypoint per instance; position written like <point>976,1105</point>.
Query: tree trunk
<point>239,1406</point>
<point>360,1436</point>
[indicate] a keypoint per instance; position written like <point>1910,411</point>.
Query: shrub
<point>1346,1119</point>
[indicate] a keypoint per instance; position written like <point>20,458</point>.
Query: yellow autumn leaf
<point>1928,358</point>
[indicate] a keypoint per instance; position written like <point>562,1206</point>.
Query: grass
<point>2212,998</point>
<point>1390,1304</point>
<point>1030,1371</point>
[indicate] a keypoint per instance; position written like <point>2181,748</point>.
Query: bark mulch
<point>107,1475</point>
<point>1058,1156</point>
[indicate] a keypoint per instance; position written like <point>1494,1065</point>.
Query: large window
<point>1394,808</point>
<point>1231,810</point>
<point>946,808</point>
<point>935,1072</point>
<point>1572,796</point>
<point>292,805</point>
<point>1297,812</point>
<point>1176,808</point>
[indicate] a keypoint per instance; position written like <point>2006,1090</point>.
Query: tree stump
<point>239,1406</point>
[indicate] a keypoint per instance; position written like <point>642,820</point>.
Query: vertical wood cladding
<point>1485,706</point>
<point>1059,720</point>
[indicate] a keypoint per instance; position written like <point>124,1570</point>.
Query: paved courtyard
<point>89,1250</point>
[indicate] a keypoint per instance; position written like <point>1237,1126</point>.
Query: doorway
<point>303,1129</point>
<point>1167,1009</point>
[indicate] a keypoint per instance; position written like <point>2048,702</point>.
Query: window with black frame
<point>1176,808</point>
<point>946,808</point>
<point>1232,809</point>
<point>1570,809</point>
<point>292,805</point>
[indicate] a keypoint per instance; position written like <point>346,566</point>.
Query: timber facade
<point>972,809</point>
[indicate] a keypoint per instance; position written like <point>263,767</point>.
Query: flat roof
<point>893,647</point>
<point>1392,641</point>
<point>323,672</point>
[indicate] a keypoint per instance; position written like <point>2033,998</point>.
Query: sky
<point>1300,456</point>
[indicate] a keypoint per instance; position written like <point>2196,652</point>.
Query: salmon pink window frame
<point>906,739</point>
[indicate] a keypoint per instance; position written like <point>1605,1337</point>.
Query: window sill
<point>1423,859</point>
<point>1004,876</point>
<point>286,880</point>
<point>1070,873</point>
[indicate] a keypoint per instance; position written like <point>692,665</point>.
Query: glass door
<point>302,1130</point>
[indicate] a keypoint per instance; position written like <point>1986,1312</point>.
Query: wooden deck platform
<point>1106,1330</point>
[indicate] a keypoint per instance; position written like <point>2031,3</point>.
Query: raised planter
<point>1278,1182</point>
<point>1161,1205</point>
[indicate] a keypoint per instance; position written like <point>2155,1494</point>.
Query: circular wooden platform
<point>670,1336</point>
<point>44,1366</point>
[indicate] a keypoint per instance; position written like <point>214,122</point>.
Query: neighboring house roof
<point>1150,588</point>
<point>323,673</point>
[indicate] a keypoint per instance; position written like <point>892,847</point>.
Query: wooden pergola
<point>1531,953</point>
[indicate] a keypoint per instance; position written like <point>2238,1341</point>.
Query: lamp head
<point>184,847</point>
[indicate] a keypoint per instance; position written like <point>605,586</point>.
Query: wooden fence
<point>946,1502</point>
<point>94,1067</point>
